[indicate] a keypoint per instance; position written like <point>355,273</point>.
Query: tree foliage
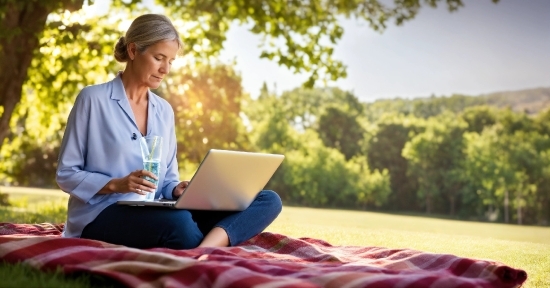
<point>435,157</point>
<point>313,174</point>
<point>384,151</point>
<point>299,35</point>
<point>341,130</point>
<point>479,117</point>
<point>483,163</point>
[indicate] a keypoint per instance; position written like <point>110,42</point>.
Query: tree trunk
<point>428,203</point>
<point>520,219</point>
<point>546,213</point>
<point>21,25</point>
<point>506,203</point>
<point>452,200</point>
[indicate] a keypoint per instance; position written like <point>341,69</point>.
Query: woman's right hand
<point>133,183</point>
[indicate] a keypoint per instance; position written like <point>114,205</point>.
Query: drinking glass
<point>151,151</point>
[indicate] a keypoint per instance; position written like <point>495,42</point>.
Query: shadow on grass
<point>22,275</point>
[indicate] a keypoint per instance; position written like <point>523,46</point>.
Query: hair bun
<point>121,50</point>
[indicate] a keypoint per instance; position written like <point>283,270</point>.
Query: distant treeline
<point>480,158</point>
<point>529,101</point>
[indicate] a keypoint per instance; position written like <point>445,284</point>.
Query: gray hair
<point>146,30</point>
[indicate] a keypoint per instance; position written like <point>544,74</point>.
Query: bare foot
<point>217,237</point>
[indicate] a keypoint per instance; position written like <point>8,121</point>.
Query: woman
<point>100,159</point>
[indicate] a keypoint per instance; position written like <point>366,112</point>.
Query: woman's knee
<point>271,199</point>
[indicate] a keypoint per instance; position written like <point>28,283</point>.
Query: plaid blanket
<point>267,260</point>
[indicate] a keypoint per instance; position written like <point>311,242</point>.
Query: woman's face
<point>154,63</point>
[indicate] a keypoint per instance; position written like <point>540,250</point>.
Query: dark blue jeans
<point>148,227</point>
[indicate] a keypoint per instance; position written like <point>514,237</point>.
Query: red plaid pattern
<point>267,260</point>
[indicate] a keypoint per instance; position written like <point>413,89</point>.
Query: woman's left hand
<point>178,190</point>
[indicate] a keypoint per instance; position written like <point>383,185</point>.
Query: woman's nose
<point>164,68</point>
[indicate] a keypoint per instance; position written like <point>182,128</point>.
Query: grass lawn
<point>524,247</point>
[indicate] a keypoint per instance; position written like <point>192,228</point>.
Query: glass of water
<point>151,151</point>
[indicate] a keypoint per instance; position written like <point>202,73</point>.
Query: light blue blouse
<point>98,146</point>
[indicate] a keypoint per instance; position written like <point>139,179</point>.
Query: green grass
<point>20,275</point>
<point>524,247</point>
<point>33,205</point>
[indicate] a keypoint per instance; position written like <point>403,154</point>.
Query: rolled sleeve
<point>88,188</point>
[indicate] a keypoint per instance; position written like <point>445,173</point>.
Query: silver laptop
<point>225,180</point>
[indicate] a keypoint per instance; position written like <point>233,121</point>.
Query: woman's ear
<point>132,50</point>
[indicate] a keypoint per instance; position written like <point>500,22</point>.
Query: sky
<point>481,48</point>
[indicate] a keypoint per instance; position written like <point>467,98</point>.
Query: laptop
<point>225,180</point>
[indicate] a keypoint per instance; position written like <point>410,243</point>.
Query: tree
<point>21,25</point>
<point>384,151</point>
<point>528,166</point>
<point>339,123</point>
<point>308,30</point>
<point>331,112</point>
<point>269,127</point>
<point>435,157</point>
<point>52,84</point>
<point>303,106</point>
<point>479,117</point>
<point>341,130</point>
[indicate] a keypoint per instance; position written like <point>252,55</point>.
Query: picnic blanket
<point>267,260</point>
